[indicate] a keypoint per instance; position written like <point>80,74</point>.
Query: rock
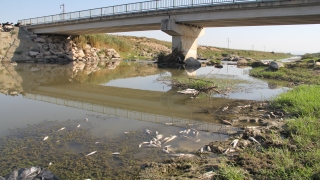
<point>81,53</point>
<point>191,62</point>
<point>70,57</point>
<point>275,65</point>
<point>33,53</point>
<point>39,56</point>
<point>40,40</point>
<point>242,62</point>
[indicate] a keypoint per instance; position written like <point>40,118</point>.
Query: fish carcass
<point>171,138</point>
<point>91,153</point>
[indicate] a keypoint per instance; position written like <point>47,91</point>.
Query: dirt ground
<point>260,125</point>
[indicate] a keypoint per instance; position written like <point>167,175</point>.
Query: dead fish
<point>166,138</point>
<point>160,136</point>
<point>226,151</point>
<point>156,132</point>
<point>234,143</point>
<point>126,132</point>
<point>208,148</point>
<point>232,150</point>
<point>91,153</point>
<point>166,150</point>
<point>188,131</point>
<point>45,138</point>
<point>171,138</point>
<point>62,129</point>
<point>207,175</point>
<point>169,124</point>
<point>188,155</point>
<point>225,108</point>
<point>226,122</point>
<point>148,131</point>
<point>58,141</point>
<point>78,126</point>
<point>201,150</point>
<point>115,153</point>
<point>193,132</point>
<point>152,146</point>
<point>181,132</point>
<point>254,140</point>
<point>87,120</point>
<point>185,136</point>
<point>96,142</point>
<point>177,155</point>
<point>197,133</point>
<point>143,143</point>
<point>167,146</point>
<point>198,140</point>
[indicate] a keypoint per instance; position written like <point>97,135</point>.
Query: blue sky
<point>297,39</point>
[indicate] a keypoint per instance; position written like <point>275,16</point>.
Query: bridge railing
<point>153,5</point>
<point>141,116</point>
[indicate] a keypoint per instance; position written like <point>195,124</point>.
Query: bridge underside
<point>256,13</point>
<point>94,28</point>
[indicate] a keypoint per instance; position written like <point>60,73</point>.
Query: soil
<point>260,123</point>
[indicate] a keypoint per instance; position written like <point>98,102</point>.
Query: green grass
<point>230,172</point>
<point>292,74</point>
<point>298,157</point>
<point>223,52</point>
<point>303,100</point>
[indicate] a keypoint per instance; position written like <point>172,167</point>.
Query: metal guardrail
<point>153,5</point>
<point>154,118</point>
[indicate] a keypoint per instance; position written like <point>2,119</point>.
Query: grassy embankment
<point>215,52</point>
<point>130,47</point>
<point>297,154</point>
<point>296,72</point>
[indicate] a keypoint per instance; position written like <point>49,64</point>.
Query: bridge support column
<point>184,38</point>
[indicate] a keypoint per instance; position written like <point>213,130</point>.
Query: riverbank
<point>279,139</point>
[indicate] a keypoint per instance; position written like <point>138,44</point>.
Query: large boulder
<point>33,53</point>
<point>40,40</point>
<point>275,65</point>
<point>242,62</point>
<point>192,62</point>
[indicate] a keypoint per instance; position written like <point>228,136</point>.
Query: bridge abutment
<point>184,38</point>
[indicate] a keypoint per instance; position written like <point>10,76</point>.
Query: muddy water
<point>117,102</point>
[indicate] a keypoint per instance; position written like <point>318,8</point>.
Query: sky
<point>295,39</point>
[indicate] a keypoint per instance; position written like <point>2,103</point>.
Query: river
<point>117,102</point>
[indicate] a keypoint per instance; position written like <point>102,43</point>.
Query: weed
<point>231,172</point>
<point>18,52</point>
<point>303,100</point>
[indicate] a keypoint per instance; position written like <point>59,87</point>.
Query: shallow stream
<point>120,104</point>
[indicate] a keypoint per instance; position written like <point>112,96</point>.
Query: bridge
<point>184,20</point>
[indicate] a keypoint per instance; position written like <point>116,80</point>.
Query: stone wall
<point>62,48</point>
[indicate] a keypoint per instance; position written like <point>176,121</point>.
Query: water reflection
<point>117,98</point>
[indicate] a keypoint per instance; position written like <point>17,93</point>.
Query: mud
<point>263,127</point>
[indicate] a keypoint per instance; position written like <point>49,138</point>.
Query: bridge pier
<point>184,38</point>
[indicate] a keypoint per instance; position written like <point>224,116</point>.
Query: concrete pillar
<point>184,38</point>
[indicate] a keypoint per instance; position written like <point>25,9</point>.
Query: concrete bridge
<point>184,20</point>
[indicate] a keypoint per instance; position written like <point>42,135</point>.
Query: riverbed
<point>103,107</point>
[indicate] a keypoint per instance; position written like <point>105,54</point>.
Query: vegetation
<point>215,52</point>
<point>311,56</point>
<point>296,73</point>
<point>130,47</point>
<point>18,52</point>
<point>293,151</point>
<point>301,101</point>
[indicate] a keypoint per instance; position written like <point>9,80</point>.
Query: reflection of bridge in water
<point>136,115</point>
